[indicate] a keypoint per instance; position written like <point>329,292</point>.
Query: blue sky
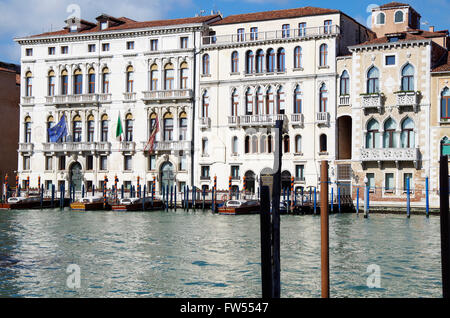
<point>27,17</point>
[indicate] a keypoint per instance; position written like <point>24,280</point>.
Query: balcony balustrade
<point>205,123</point>
<point>77,147</point>
<point>129,97</point>
<point>26,148</point>
<point>168,95</point>
<point>323,118</point>
<point>233,121</point>
<point>390,155</point>
<point>297,119</point>
<point>344,100</point>
<point>260,120</point>
<point>27,100</point>
<point>405,99</point>
<point>372,101</point>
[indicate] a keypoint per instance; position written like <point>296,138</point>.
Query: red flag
<point>151,141</point>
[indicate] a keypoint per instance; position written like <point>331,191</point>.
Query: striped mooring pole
<point>215,194</point>
<point>116,181</point>
<point>138,187</point>
<point>17,185</point>
<point>292,194</point>
<point>244,189</point>
<point>104,191</point>
<point>28,186</point>
<point>229,187</point>
<point>39,184</point>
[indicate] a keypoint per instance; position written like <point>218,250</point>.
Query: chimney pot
<point>431,28</point>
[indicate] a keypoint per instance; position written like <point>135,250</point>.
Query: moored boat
<point>89,204</point>
<point>240,207</point>
<point>135,204</point>
<point>21,203</point>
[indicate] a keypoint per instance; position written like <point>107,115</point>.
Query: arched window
<point>129,127</point>
<point>77,129</point>
<point>249,101</point>
<point>51,83</point>
<point>281,60</point>
<point>64,82</point>
<point>323,58</point>
<point>29,84</point>
<point>183,126</point>
<point>408,78</point>
<point>323,99</point>
<point>104,124</point>
<point>154,76</point>
<point>286,144</point>
<point>152,123</point>
<point>234,145</point>
<point>281,109</point>
<point>105,80</point>
<point>234,62</point>
<point>184,75</point>
<point>91,81</point>
<point>77,82</point>
<point>398,17</point>
<point>373,134</point>
<point>90,128</point>
<point>234,103</point>
<point>168,127</point>
<point>323,143</point>
<point>205,104</point>
<point>254,144</point>
<point>169,77</point>
<point>373,81</point>
<point>270,68</point>
<point>247,144</point>
<point>298,144</point>
<point>390,134</point>
<point>297,100</point>
<point>445,103</point>
<point>298,57</point>
<point>407,135</point>
<point>259,61</point>
<point>270,102</point>
<point>262,144</point>
<point>50,122</point>
<point>445,146</point>
<point>381,18</point>
<point>345,84</point>
<point>27,130</point>
<point>249,61</point>
<point>259,101</point>
<point>205,64</point>
<point>130,79</point>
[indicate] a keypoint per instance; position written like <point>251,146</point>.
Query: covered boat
<point>239,207</point>
<point>89,203</point>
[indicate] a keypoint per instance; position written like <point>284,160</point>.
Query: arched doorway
<point>76,176</point>
<point>344,130</point>
<point>285,181</point>
<point>250,181</point>
<point>167,175</point>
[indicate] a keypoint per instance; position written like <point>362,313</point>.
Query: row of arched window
<point>407,79</point>
<point>168,82</point>
<point>391,136</point>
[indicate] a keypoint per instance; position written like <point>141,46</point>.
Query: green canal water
<point>199,254</point>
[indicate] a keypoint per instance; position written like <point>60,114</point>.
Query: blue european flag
<point>58,131</point>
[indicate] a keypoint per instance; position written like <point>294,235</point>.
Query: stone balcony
<point>128,147</point>
<point>233,121</point>
<point>396,155</point>
<point>27,100</point>
<point>168,95</point>
<point>344,100</point>
<point>180,145</point>
<point>129,97</point>
<point>77,147</point>
<point>78,99</point>
<point>408,99</point>
<point>323,118</point>
<point>297,119</point>
<point>252,37</point>
<point>26,148</point>
<point>372,101</point>
<point>205,122</point>
<point>260,120</point>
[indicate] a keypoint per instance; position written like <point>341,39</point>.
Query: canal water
<point>199,254</point>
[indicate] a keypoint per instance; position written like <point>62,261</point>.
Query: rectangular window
<point>130,45</point>
<point>127,185</point>
<point>64,49</point>
<point>51,50</point>
<point>152,163</point>
<point>240,35</point>
<point>183,163</point>
<point>153,45</point>
<point>104,25</point>
<point>91,48</point>
<point>371,179</point>
<point>286,31</point>
<point>103,163</point>
<point>302,29</point>
<point>389,182</point>
<point>29,52</point>
<point>127,163</point>
<point>48,163</point>
<point>299,172</point>
<point>48,185</point>
<point>327,26</point>
<point>407,176</point>
<point>62,163</point>
<point>390,60</point>
<point>235,172</point>
<point>205,172</point>
<point>26,163</point>
<point>184,42</point>
<point>254,33</point>
<point>105,47</point>
<point>90,163</point>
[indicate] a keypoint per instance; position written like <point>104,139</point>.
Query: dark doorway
<point>344,130</point>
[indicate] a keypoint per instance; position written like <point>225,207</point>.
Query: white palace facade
<point>217,85</point>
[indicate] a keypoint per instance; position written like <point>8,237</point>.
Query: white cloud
<point>25,17</point>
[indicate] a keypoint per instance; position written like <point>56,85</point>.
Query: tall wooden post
<point>324,230</point>
<point>266,244</point>
<point>445,230</point>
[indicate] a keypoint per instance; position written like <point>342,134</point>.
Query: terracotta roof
<point>406,37</point>
<point>131,24</point>
<point>394,5</point>
<point>2,69</point>
<point>273,15</point>
<point>444,67</point>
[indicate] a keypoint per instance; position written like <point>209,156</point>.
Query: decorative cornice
<point>389,45</point>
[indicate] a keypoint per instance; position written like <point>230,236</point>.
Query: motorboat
<point>240,207</point>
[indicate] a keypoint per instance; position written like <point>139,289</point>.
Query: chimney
<point>431,29</point>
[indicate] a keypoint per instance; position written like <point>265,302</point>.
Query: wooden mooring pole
<point>325,264</point>
<point>445,230</point>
